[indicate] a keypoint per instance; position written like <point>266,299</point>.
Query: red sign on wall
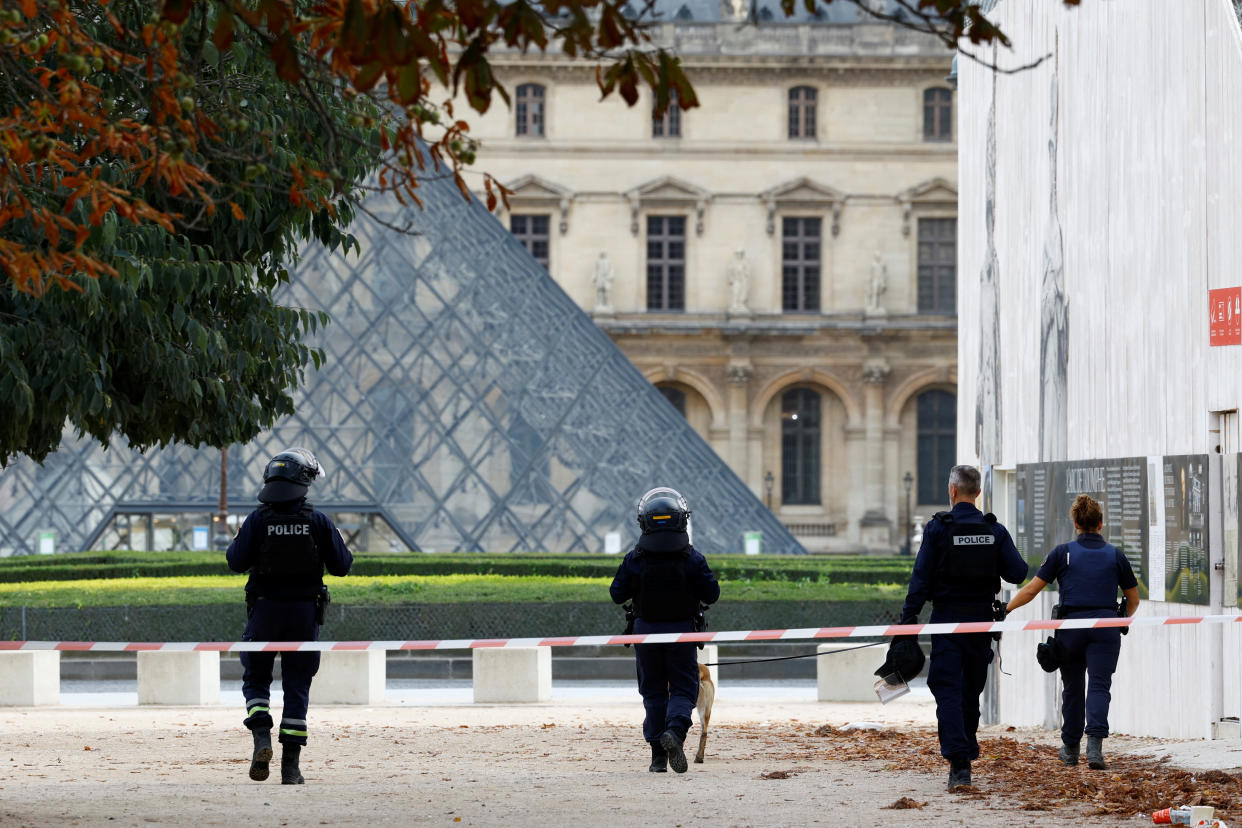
<point>1225,316</point>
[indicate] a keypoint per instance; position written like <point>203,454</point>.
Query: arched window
<point>802,101</point>
<point>530,98</point>
<point>937,430</point>
<point>938,114</point>
<point>800,440</point>
<point>676,398</point>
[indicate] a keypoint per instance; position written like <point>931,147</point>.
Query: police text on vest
<point>973,540</point>
<point>280,529</point>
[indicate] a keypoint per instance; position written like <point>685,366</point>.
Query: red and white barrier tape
<point>805,634</point>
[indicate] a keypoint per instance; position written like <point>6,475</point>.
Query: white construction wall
<point>1100,199</point>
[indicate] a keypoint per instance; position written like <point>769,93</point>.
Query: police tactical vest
<point>287,550</point>
<point>969,554</point>
<point>1090,579</point>
<point>663,592</point>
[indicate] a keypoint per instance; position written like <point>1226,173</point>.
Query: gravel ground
<point>577,761</point>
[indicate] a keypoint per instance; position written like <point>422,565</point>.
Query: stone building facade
<point>780,261</point>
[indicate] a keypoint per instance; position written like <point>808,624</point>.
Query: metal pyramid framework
<point>465,400</point>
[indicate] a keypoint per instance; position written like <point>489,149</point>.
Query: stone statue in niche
<point>738,274</point>
<point>877,285</point>
<point>735,9</point>
<point>603,284</point>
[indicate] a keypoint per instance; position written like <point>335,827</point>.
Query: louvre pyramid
<point>465,398</point>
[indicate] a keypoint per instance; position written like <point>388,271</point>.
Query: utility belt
<point>1060,611</point>
<point>321,600</point>
<point>698,621</point>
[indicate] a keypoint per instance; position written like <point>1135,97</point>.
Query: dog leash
<point>787,658</point>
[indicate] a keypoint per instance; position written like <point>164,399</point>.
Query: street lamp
<point>907,481</point>
<point>768,482</point>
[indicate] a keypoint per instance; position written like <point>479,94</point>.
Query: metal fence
<point>413,621</point>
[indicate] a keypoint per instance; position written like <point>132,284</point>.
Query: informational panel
<point>1185,528</point>
<point>1225,316</point>
<point>1047,490</point>
<point>1154,512</point>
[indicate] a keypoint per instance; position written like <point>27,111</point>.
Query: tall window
<point>800,446</point>
<point>666,263</point>
<point>530,99</point>
<point>668,126</point>
<point>800,263</point>
<point>532,231</point>
<point>937,444</point>
<point>802,111</point>
<point>676,398</point>
<point>937,265</point>
<point>938,115</point>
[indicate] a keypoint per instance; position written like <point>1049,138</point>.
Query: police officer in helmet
<point>285,545</point>
<point>963,556</point>
<point>666,578</point>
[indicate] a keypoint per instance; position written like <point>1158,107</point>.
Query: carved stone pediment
<point>803,194</point>
<point>533,191</point>
<point>935,193</point>
<point>668,191</point>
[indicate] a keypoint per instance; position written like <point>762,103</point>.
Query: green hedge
<point>92,566</point>
<point>407,589</point>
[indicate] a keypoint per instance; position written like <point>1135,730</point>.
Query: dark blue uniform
<point>281,598</point>
<point>960,562</point>
<point>666,578</point>
<point>1088,572</point>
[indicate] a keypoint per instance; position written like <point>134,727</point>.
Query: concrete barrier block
<point>847,676</point>
<point>350,677</point>
<point>710,655</point>
<point>512,674</point>
<point>29,678</point>
<point>182,678</point>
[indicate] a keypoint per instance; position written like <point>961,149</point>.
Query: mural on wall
<point>987,399</point>
<point>1154,512</point>
<point>1053,321</point>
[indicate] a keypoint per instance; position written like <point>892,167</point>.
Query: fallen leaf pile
<point>904,803</point>
<point>1007,767</point>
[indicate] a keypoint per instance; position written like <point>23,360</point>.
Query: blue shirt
<point>243,552</point>
<point>926,586</point>
<point>1088,571</point>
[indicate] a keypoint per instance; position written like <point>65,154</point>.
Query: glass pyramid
<point>465,400</point>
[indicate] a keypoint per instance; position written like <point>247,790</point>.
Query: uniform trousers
<point>668,680</point>
<point>956,676</point>
<point>1089,661</point>
<point>274,620</point>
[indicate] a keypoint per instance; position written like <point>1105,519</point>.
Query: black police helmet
<point>663,510</point>
<point>905,657</point>
<point>288,475</point>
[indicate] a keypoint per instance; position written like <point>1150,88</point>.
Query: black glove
<point>1121,613</point>
<point>905,658</point>
<point>998,614</point>
<point>700,621</point>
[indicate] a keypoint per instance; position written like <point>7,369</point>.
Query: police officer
<point>666,578</point>
<point>963,555</point>
<point>1088,572</point>
<point>285,545</point>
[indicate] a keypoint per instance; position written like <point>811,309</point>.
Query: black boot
<point>262,754</point>
<point>671,743</point>
<point>289,773</point>
<point>1095,753</point>
<point>1068,753</point>
<point>659,759</point>
<point>959,773</point>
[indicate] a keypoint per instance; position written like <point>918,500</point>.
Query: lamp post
<point>768,482</point>
<point>907,481</point>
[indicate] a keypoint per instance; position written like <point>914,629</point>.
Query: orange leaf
<point>237,211</point>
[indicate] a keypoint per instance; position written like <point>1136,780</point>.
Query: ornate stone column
<point>875,527</point>
<point>739,374</point>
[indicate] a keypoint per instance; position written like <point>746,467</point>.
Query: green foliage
<point>841,570</point>
<point>186,344</point>
<point>404,589</point>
